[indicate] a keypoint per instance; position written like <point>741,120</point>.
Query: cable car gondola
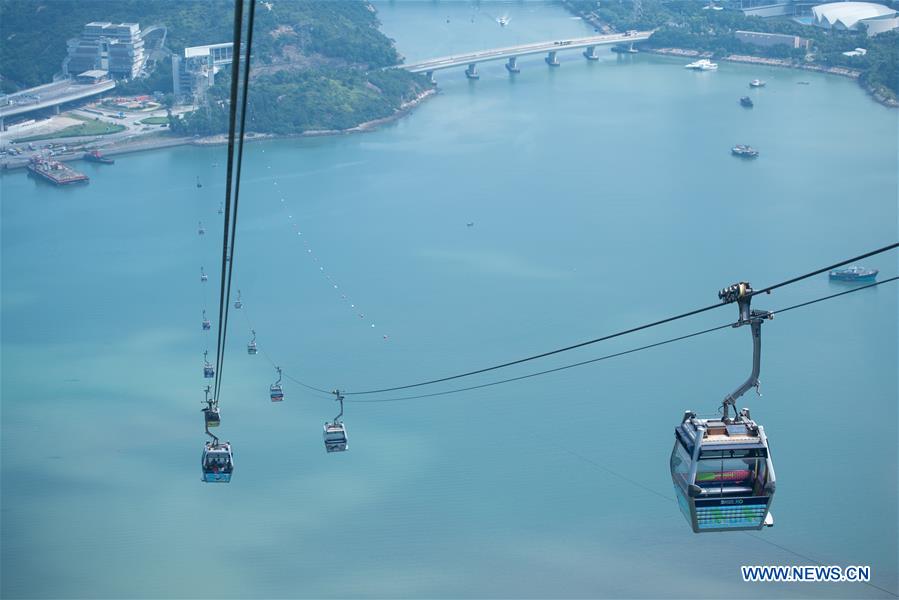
<point>206,324</point>
<point>238,303</point>
<point>211,413</point>
<point>208,368</point>
<point>721,467</point>
<point>276,392</point>
<point>335,431</point>
<point>203,276</point>
<point>200,229</point>
<point>217,461</point>
<point>251,345</point>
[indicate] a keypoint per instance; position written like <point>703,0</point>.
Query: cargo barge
<point>56,172</point>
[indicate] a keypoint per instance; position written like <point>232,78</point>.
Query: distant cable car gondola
<point>208,368</point>
<point>221,210</point>
<point>721,467</point>
<point>335,431</point>
<point>203,276</point>
<point>238,303</point>
<point>251,345</point>
<point>211,413</point>
<point>200,229</point>
<point>206,324</point>
<point>276,392</point>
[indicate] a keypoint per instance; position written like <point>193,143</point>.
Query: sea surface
<point>602,195</point>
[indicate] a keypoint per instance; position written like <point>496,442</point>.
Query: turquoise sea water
<point>603,195</point>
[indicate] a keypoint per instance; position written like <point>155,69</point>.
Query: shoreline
<point>158,142</point>
<point>779,62</point>
<point>594,21</point>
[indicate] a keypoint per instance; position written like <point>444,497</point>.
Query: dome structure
<point>849,15</point>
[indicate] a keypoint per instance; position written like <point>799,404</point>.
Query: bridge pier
<point>512,65</point>
<point>431,79</point>
<point>551,59</point>
<point>472,71</point>
<point>590,53</point>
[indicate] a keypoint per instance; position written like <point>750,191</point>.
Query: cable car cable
<point>243,121</point>
<point>617,334</point>
<point>770,288</point>
<point>229,176</point>
<point>622,353</point>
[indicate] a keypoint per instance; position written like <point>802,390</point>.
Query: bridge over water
<point>511,53</point>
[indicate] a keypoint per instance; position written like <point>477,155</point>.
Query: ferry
<point>703,64</point>
<point>744,151</point>
<point>853,273</point>
<point>55,171</point>
<point>746,101</point>
<point>97,156</point>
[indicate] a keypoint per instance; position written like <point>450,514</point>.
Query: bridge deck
<point>457,60</point>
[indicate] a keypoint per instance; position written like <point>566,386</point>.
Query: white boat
<point>703,64</point>
<point>756,83</point>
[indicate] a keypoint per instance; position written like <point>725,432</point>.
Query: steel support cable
<point>243,121</point>
<point>232,121</point>
<point>622,353</point>
<point>620,333</point>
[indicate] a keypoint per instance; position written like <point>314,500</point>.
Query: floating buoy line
<point>721,467</point>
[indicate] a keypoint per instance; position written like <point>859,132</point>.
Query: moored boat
<point>97,156</point>
<point>746,101</point>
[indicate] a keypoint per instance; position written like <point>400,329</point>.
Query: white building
<point>852,16</point>
<point>117,48</point>
<point>195,72</point>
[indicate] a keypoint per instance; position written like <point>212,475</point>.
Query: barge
<point>55,171</point>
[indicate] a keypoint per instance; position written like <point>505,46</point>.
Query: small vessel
<point>703,64</point>
<point>746,101</point>
<point>803,83</point>
<point>853,273</point>
<point>744,151</point>
<point>756,83</point>
<point>503,20</point>
<point>97,157</point>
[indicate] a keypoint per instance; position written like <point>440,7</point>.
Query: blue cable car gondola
<point>200,229</point>
<point>217,462</point>
<point>208,368</point>
<point>276,392</point>
<point>335,431</point>
<point>206,324</point>
<point>721,467</point>
<point>203,276</point>
<point>238,303</point>
<point>251,346</point>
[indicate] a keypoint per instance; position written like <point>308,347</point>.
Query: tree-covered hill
<point>315,64</point>
<point>33,33</point>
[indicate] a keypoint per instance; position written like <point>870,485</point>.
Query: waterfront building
<point>116,48</point>
<point>758,38</point>
<point>854,16</point>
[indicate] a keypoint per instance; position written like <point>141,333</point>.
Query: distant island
<point>316,66</point>
<point>696,27</point>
